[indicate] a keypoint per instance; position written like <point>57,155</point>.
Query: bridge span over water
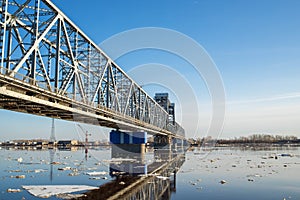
<point>49,67</point>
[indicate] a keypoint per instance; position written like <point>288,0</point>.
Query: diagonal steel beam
<point>21,8</point>
<point>33,47</point>
<point>46,77</point>
<point>100,83</point>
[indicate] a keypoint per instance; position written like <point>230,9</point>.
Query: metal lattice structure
<point>50,67</point>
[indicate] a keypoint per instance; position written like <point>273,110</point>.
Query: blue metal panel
<point>118,137</point>
<point>139,138</point>
<point>126,138</point>
<point>114,137</point>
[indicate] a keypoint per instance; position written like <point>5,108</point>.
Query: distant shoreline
<point>247,144</point>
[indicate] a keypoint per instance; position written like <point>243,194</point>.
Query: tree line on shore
<point>255,138</point>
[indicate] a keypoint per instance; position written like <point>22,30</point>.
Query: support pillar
<point>128,142</point>
<point>130,148</point>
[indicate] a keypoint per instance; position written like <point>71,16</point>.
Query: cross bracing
<point>50,67</point>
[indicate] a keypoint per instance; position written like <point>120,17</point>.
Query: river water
<point>215,173</point>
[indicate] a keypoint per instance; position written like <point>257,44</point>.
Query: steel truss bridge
<point>49,67</point>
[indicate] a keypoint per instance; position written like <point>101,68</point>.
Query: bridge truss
<point>49,67</point>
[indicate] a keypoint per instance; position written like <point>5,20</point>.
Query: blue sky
<point>255,45</point>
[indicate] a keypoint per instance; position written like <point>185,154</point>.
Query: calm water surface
<point>249,174</point>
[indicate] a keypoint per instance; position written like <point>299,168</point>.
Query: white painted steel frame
<point>43,48</point>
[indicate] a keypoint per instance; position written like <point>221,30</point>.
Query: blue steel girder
<point>45,51</point>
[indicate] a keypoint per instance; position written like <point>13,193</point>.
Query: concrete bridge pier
<point>130,147</point>
<point>128,144</point>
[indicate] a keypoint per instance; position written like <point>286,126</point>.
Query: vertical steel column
<point>35,28</point>
<point>99,95</point>
<point>8,50</point>
<point>139,104</point>
<point>75,57</point>
<point>121,92</point>
<point>88,89</point>
<point>74,87</point>
<point>57,56</point>
<point>132,97</point>
<point>4,6</point>
<point>49,61</point>
<point>108,85</point>
<point>75,49</point>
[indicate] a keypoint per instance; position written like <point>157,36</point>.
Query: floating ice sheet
<point>96,173</point>
<point>46,191</point>
<point>114,160</point>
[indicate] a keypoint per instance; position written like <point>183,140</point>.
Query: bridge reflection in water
<point>134,179</point>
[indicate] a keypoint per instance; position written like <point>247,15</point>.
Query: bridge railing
<point>176,129</point>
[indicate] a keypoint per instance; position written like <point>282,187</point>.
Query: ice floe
<point>46,191</point>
